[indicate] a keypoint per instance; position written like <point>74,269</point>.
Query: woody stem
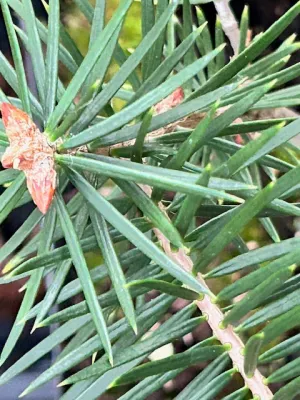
<point>229,23</point>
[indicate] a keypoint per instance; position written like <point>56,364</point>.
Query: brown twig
<point>229,23</point>
<point>215,317</point>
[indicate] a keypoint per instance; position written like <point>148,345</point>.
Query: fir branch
<point>215,317</point>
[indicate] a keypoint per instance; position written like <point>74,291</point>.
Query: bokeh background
<point>262,14</point>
